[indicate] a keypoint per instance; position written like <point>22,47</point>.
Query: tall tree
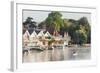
<point>29,23</point>
<point>80,36</point>
<point>84,22</point>
<point>79,30</point>
<point>54,21</point>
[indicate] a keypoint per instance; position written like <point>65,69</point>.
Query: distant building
<point>40,34</point>
<point>41,38</point>
<point>66,38</point>
<point>26,38</point>
<point>47,34</point>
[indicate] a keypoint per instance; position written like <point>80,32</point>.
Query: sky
<point>39,16</point>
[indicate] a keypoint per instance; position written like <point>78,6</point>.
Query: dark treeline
<point>79,30</point>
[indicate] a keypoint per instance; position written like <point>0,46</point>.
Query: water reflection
<point>58,54</point>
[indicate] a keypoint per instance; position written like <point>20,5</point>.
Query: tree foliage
<point>79,30</point>
<point>29,23</point>
<point>54,21</point>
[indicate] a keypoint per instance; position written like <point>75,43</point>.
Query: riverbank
<point>76,45</point>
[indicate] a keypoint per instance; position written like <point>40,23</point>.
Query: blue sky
<point>39,16</point>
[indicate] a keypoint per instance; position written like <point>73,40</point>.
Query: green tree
<point>79,30</point>
<point>81,36</point>
<point>54,21</point>
<point>72,28</point>
<point>84,22</point>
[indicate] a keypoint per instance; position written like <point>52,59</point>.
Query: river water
<point>58,54</point>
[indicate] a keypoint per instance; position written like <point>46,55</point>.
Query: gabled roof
<point>26,34</point>
<point>47,34</point>
<point>34,34</point>
<point>44,32</point>
<point>40,34</point>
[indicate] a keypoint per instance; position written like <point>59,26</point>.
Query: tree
<point>81,36</point>
<point>54,21</point>
<point>83,21</point>
<point>42,25</point>
<point>50,42</point>
<point>73,26</point>
<point>79,30</point>
<point>29,23</point>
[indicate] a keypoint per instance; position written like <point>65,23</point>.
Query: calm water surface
<point>58,54</point>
